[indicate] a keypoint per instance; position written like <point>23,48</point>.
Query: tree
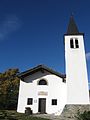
<point>9,85</point>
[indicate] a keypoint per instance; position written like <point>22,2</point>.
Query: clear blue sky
<point>31,32</point>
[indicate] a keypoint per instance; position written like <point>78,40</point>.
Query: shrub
<point>83,116</point>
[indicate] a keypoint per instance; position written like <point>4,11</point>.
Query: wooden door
<point>42,105</point>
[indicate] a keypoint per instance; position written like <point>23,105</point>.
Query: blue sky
<point>31,32</point>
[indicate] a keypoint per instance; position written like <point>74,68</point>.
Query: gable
<point>35,76</point>
<point>40,71</point>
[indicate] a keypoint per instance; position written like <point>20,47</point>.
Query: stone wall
<point>70,111</point>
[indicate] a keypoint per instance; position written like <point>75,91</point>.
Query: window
<point>74,43</point>
<point>71,43</point>
<point>42,82</point>
<point>54,101</point>
<point>64,80</point>
<point>29,101</point>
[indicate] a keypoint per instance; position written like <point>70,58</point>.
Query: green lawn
<point>13,115</point>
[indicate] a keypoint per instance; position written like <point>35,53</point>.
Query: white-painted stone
<point>56,89</point>
<point>76,72</point>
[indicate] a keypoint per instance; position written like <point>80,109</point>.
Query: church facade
<point>47,91</point>
<point>43,90</point>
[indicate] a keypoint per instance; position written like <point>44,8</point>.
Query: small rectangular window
<point>64,80</point>
<point>71,43</point>
<point>29,101</point>
<point>72,46</point>
<point>76,43</point>
<point>77,46</point>
<point>54,101</point>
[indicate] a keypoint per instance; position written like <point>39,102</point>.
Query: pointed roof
<point>72,27</point>
<point>41,68</point>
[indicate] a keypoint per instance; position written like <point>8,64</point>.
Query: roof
<point>72,27</point>
<point>41,68</point>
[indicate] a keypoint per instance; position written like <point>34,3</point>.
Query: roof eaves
<point>33,70</point>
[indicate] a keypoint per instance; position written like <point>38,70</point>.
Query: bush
<point>83,116</point>
<point>13,115</point>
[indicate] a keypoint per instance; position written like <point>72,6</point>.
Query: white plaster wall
<point>76,72</point>
<point>56,89</point>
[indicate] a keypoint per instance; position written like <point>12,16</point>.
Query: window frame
<point>29,101</point>
<point>54,101</point>
<point>71,43</point>
<point>74,43</point>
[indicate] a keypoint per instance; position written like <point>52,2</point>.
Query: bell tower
<point>76,70</point>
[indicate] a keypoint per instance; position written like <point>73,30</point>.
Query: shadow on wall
<point>35,76</point>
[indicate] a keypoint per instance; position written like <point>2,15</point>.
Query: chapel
<point>47,91</point>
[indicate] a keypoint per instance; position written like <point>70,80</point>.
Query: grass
<point>13,115</point>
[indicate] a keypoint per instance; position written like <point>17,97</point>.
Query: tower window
<point>42,82</point>
<point>71,43</point>
<point>76,43</point>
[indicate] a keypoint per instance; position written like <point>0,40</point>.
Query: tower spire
<point>72,27</point>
